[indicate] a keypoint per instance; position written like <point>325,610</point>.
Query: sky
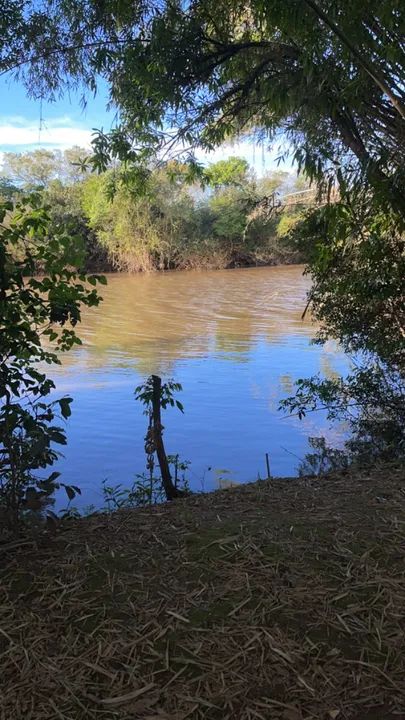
<point>66,123</point>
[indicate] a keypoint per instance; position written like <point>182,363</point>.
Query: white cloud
<point>18,134</point>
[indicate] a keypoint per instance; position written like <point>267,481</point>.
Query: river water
<point>236,342</point>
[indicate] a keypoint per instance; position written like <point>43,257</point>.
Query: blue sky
<point>66,123</point>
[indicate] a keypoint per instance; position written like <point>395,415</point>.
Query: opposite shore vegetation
<point>225,217</point>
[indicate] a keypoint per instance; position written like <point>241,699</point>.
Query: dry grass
<point>281,600</point>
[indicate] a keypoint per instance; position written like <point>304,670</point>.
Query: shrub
<point>36,314</point>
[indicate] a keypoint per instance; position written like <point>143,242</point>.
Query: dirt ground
<point>280,600</point>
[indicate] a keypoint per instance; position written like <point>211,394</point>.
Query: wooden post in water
<point>170,490</point>
<point>268,466</point>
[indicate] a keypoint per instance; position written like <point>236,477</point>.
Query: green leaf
<point>70,492</point>
<point>65,408</point>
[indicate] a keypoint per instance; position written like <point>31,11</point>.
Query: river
<point>236,342</point>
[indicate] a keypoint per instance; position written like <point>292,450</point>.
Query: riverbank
<point>280,599</point>
<point>207,257</point>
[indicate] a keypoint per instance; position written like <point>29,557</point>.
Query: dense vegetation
<point>167,223</point>
<point>37,319</point>
<point>324,75</point>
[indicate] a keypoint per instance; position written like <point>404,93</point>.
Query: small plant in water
<point>145,490</point>
<point>180,468</point>
<point>142,492</point>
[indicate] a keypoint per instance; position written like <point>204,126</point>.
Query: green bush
<point>36,315</point>
<point>357,265</point>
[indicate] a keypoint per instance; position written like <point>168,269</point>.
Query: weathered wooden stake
<point>268,466</point>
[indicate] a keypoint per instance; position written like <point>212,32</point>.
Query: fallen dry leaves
<point>282,600</point>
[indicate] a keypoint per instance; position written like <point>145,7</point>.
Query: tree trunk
<point>170,489</point>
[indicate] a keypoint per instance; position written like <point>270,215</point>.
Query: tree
<point>358,297</point>
<point>225,173</point>
<point>38,168</point>
<point>32,169</point>
<point>273,181</point>
<point>74,167</point>
<point>156,396</point>
<point>171,224</point>
<point>35,314</point>
<point>7,188</point>
<point>65,207</point>
<point>230,210</point>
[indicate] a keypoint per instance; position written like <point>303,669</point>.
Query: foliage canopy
<point>326,74</point>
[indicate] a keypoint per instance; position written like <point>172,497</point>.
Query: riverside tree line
<point>167,222</point>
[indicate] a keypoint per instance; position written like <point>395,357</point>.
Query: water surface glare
<point>236,342</point>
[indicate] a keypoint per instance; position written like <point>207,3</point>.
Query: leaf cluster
<point>37,319</point>
<point>144,393</point>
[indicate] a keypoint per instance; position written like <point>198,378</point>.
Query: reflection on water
<point>236,342</point>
